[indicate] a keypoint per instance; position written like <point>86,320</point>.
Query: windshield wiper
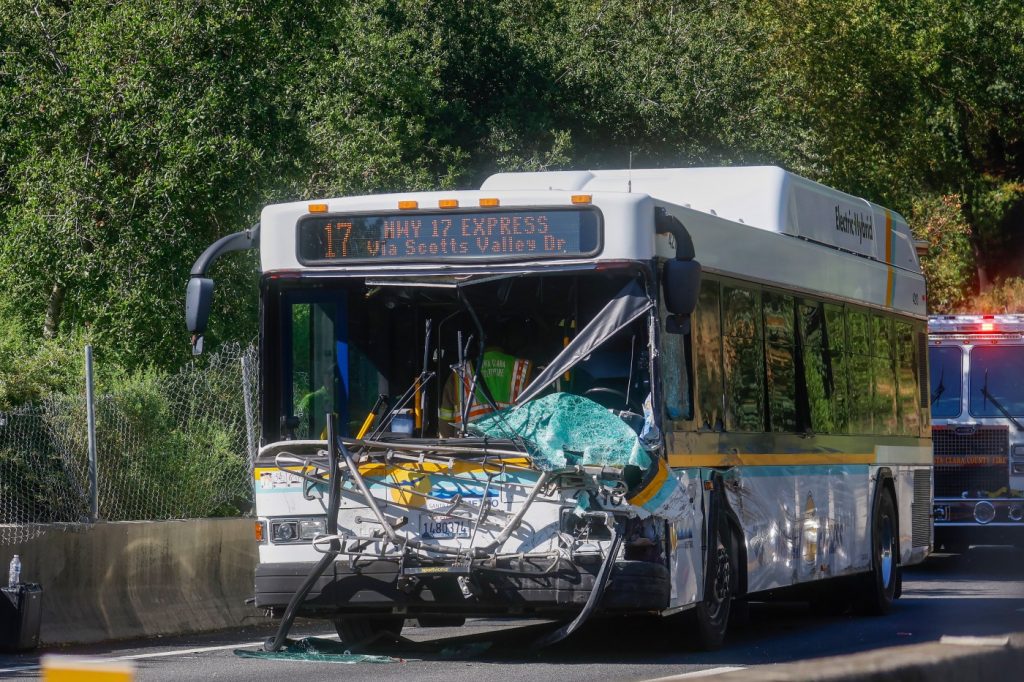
<point>999,405</point>
<point>940,389</point>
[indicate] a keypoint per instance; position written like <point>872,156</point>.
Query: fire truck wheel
<point>879,586</point>
<point>360,629</point>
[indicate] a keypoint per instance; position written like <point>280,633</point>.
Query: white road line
<point>159,654</point>
<point>707,672</point>
<point>184,652</point>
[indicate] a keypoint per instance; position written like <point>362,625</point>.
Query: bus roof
<point>756,223</point>
<point>764,197</point>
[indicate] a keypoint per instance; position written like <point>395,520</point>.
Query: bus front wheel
<point>881,584</point>
<point>360,629</point>
<point>711,615</point>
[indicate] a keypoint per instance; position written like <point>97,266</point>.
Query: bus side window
<point>707,354</point>
<point>906,381</point>
<point>743,353</point>
<point>780,361</point>
<point>676,371</point>
<point>861,363</point>
<point>823,341</point>
<point>837,339</point>
<point>923,373</point>
<point>884,373</point>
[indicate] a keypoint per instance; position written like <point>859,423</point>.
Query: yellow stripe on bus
<point>681,460</point>
<point>651,488</point>
<point>379,469</point>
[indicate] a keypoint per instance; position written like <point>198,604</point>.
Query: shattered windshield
<point>997,381</point>
<point>425,359</point>
<point>945,380</point>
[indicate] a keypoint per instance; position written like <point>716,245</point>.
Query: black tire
<point>366,629</point>
<point>880,585</point>
<point>711,615</point>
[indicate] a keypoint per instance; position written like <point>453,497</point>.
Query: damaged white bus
<point>531,400</point>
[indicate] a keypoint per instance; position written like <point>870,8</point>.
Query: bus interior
<point>390,347</point>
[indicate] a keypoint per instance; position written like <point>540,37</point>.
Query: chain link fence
<point>168,447</point>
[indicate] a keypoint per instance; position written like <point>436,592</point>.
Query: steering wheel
<point>604,390</point>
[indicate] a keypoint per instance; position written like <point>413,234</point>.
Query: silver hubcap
<point>723,577</point>
<point>886,551</point>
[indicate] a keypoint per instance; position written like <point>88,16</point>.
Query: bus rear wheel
<point>880,586</point>
<point>360,629</point>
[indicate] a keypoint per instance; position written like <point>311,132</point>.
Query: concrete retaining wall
<point>954,659</point>
<point>137,579</point>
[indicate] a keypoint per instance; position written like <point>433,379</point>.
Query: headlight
<point>984,512</point>
<point>310,528</point>
<point>285,531</point>
<point>1018,450</point>
<point>296,530</point>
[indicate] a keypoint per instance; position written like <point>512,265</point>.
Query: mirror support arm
<point>199,293</point>
<point>665,223</point>
<point>239,241</point>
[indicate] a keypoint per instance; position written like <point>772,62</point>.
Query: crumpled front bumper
<point>512,586</point>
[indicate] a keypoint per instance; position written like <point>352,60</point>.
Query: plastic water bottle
<point>14,575</point>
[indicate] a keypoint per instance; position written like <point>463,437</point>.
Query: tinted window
<point>997,381</point>
<point>707,329</point>
<point>743,354</point>
<point>884,375</point>
<point>860,366</point>
<point>780,361</point>
<point>944,376</point>
<point>824,334</point>
<point>331,368</point>
<point>906,380</point>
<point>675,361</point>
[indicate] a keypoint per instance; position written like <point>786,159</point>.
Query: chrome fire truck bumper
<point>978,521</point>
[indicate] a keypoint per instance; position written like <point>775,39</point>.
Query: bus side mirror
<point>681,285</point>
<point>198,297</point>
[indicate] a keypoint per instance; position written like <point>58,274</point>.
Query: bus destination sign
<point>499,234</point>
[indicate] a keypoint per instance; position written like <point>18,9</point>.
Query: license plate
<point>445,528</point>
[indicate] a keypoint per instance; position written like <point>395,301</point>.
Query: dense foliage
<point>132,134</point>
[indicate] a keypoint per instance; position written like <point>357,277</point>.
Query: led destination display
<point>498,234</point>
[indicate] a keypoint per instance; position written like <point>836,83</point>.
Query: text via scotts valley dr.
<point>494,235</point>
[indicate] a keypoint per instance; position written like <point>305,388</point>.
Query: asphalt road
<point>979,593</point>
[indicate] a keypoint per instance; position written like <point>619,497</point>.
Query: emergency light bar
<point>976,324</point>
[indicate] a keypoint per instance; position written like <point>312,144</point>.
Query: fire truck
<point>977,404</point>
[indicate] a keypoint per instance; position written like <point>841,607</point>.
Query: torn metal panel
<point>687,542</point>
